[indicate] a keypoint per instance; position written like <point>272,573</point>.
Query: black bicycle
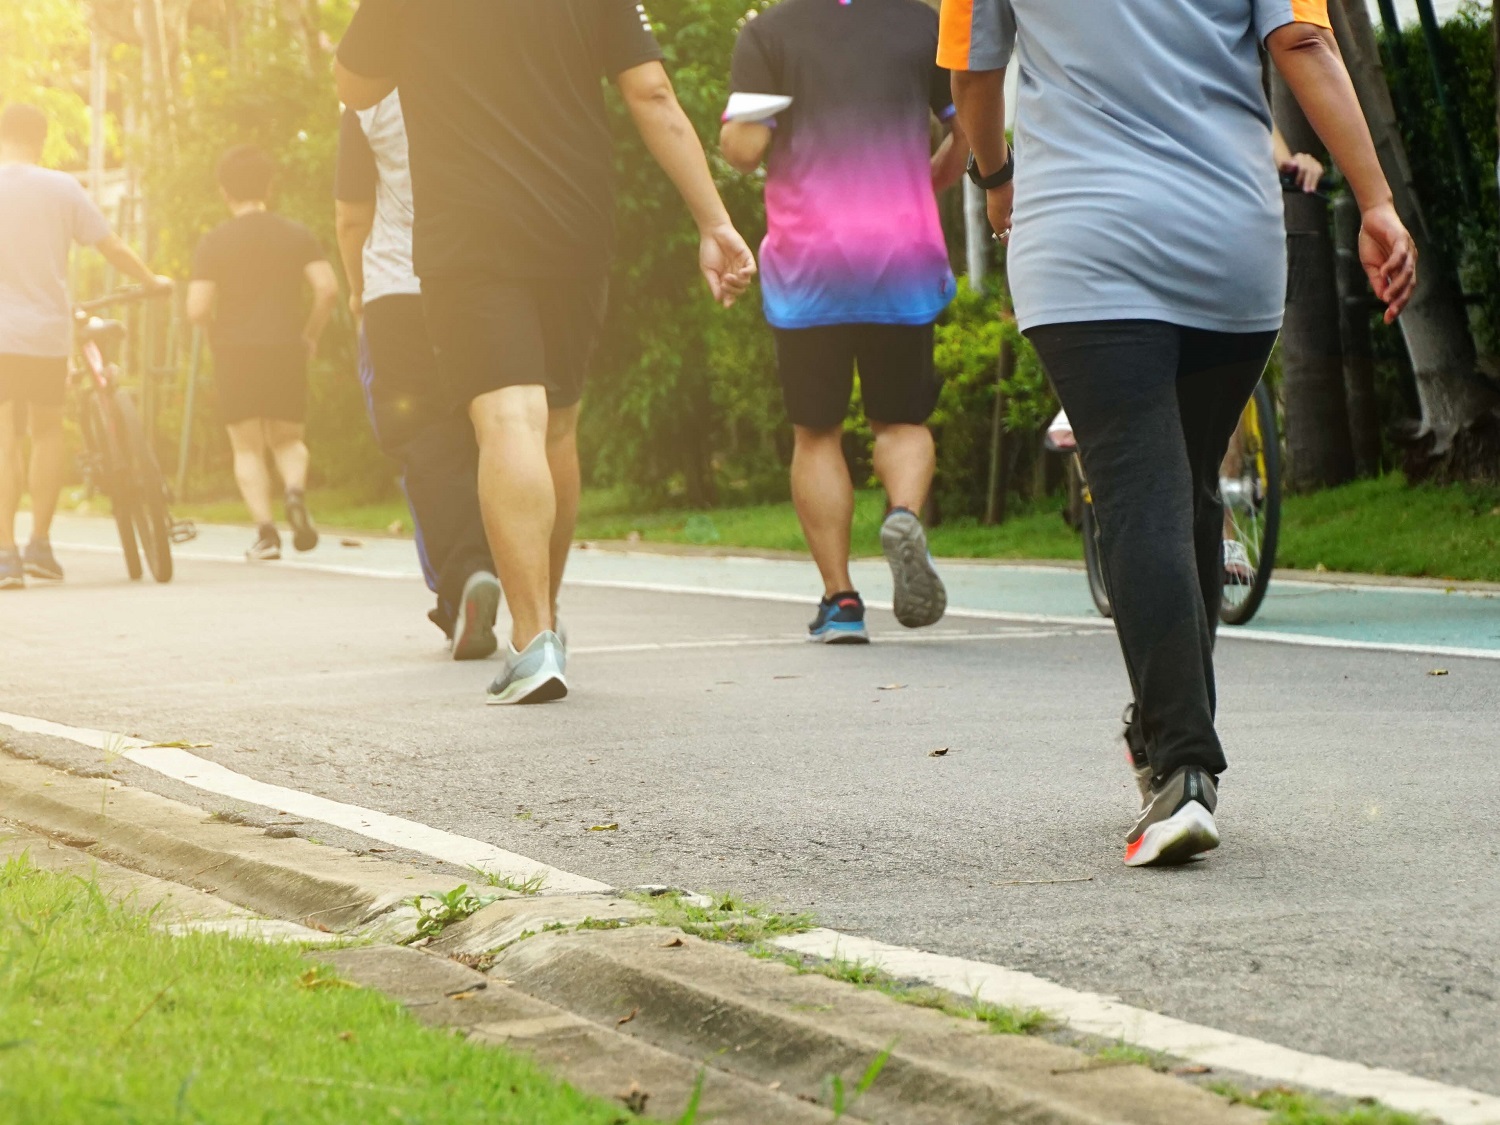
<point>117,459</point>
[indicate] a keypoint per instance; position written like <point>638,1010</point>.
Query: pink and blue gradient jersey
<point>854,235</point>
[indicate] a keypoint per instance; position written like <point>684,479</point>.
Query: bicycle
<point>117,459</point>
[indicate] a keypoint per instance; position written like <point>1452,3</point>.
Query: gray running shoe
<point>1177,821</point>
<point>533,676</point>
<point>40,562</point>
<point>921,599</point>
<point>304,534</point>
<point>12,572</point>
<point>267,545</point>
<point>474,630</point>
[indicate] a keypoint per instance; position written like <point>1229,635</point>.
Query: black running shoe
<point>1177,821</point>
<point>304,534</point>
<point>840,621</point>
<point>267,545</point>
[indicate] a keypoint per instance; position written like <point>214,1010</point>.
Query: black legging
<point>1154,406</point>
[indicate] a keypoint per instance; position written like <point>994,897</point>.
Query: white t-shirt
<point>374,167</point>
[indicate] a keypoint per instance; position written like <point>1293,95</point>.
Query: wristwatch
<point>996,179</point>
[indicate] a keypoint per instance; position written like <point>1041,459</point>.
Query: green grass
<point>105,1020</point>
<point>725,918</point>
<point>1292,1107</point>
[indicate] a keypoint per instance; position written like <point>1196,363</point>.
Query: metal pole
<point>976,234</point>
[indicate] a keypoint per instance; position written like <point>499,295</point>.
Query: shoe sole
<point>545,687</point>
<point>263,558</point>
<point>12,583</point>
<point>1187,833</point>
<point>921,599</point>
<point>44,575</point>
<point>474,631</point>
<point>840,637</point>
<point>304,535</point>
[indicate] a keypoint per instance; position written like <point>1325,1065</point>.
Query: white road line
<point>1093,1014</point>
<point>200,773</point>
<point>1086,1012</point>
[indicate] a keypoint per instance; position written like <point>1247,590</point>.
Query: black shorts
<point>34,380</point>
<point>896,375</point>
<point>265,381</point>
<point>400,375</point>
<point>496,332</point>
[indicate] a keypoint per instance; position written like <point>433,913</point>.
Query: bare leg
<point>905,461</point>
<point>10,475</point>
<point>46,468</point>
<point>562,457</point>
<point>519,502</point>
<point>248,438</point>
<point>289,447</point>
<point>823,495</point>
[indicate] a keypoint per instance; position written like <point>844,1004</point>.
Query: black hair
<point>24,125</point>
<point>245,173</point>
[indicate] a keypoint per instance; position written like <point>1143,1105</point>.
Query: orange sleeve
<point>956,34</point>
<point>1314,12</point>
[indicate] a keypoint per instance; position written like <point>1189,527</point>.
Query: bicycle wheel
<point>1092,560</point>
<point>104,434</point>
<point>1253,504</point>
<point>153,523</point>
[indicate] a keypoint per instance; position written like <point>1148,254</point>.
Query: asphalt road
<point>1353,911</point>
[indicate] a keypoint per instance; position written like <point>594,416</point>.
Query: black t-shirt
<point>258,264</point>
<point>511,155</point>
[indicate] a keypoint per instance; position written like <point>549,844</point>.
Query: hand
<point>1308,170</point>
<point>1389,256</point>
<point>727,263</point>
<point>998,204</point>
<point>162,283</point>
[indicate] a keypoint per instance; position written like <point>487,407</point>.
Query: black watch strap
<point>997,179</point>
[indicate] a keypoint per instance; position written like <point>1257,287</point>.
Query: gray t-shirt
<point>42,214</point>
<point>1146,188</point>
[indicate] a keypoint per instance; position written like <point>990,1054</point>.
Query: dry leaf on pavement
<point>941,752</point>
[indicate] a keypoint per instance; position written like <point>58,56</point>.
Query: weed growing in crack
<point>1293,1107</point>
<point>436,912</point>
<point>725,918</point>
<point>532,885</point>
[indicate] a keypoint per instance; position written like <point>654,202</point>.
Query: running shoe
<point>1177,821</point>
<point>267,545</point>
<point>1238,570</point>
<point>533,676</point>
<point>921,598</point>
<point>474,631</point>
<point>304,534</point>
<point>12,570</point>
<point>840,621</point>
<point>40,562</point>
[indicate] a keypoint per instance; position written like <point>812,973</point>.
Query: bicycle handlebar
<point>122,297</point>
<point>1292,185</point>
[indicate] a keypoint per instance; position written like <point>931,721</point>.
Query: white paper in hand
<point>755,107</point>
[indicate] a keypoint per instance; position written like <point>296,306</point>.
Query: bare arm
<point>118,254</point>
<point>744,144</point>
<point>359,92</point>
<point>200,302</point>
<point>950,160</point>
<point>726,262</point>
<point>354,222</point>
<point>1309,168</point>
<point>325,287</point>
<point>1309,60</point>
<point>979,96</point>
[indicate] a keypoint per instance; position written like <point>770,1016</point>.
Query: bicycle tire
<point>1268,471</point>
<point>116,480</point>
<point>1093,560</point>
<point>153,522</point>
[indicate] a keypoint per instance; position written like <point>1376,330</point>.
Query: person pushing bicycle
<point>42,214</point>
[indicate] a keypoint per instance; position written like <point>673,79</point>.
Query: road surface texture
<point>1353,911</point>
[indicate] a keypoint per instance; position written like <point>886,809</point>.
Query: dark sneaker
<point>474,631</point>
<point>40,562</point>
<point>267,546</point>
<point>12,571</point>
<point>921,599</point>
<point>840,621</point>
<point>304,534</point>
<point>1177,821</point>
<point>533,676</point>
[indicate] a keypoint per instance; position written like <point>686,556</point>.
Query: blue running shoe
<point>840,621</point>
<point>12,572</point>
<point>41,562</point>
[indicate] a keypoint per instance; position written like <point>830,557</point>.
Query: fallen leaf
<point>774,1086</point>
<point>786,677</point>
<point>181,746</point>
<point>675,943</point>
<point>891,687</point>
<point>1191,1068</point>
<point>941,752</point>
<point>350,543</point>
<point>347,1036</point>
<point>635,1099</point>
<point>313,980</point>
<point>1438,672</point>
<point>610,827</point>
<point>461,996</point>
<point>623,1020</point>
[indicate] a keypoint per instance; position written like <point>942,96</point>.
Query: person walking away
<point>856,268</point>
<point>512,175</point>
<point>436,448</point>
<point>42,215</point>
<point>1148,264</point>
<point>249,275</point>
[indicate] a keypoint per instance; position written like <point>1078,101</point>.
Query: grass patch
<point>532,886</point>
<point>436,912</point>
<point>1292,1107</point>
<point>725,918</point>
<point>103,1019</point>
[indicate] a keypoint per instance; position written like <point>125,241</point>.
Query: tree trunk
<point>1355,304</point>
<point>1457,406</point>
<point>1320,450</point>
